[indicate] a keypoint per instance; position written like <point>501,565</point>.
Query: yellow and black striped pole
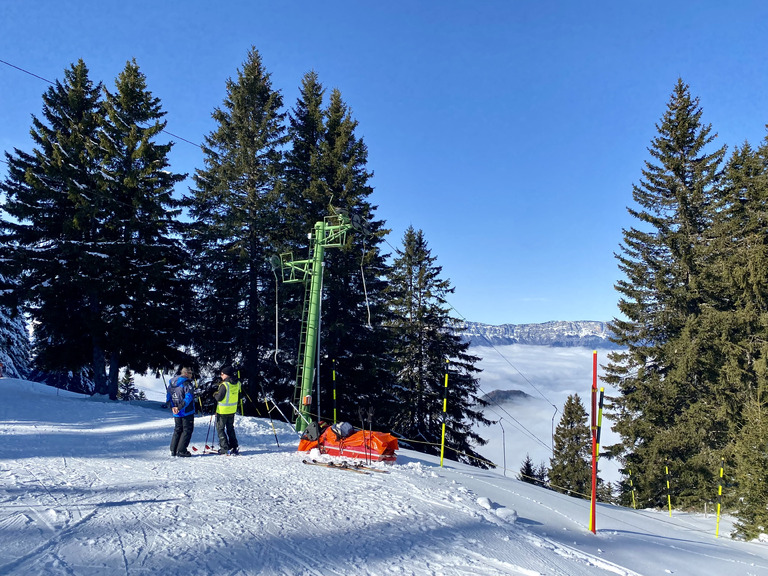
<point>334,390</point>
<point>445,410</point>
<point>719,497</point>
<point>669,498</point>
<point>632,489</point>
<point>599,420</point>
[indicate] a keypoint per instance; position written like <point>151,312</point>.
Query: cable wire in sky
<point>20,69</point>
<point>525,430</point>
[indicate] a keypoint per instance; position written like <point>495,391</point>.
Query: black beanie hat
<point>228,370</point>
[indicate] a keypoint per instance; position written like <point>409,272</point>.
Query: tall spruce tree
<point>570,469</point>
<point>663,383</point>
<point>326,172</point>
<point>354,328</point>
<point>237,210</point>
<point>738,265</point>
<point>307,194</point>
<point>145,288</point>
<point>50,240</point>
<point>427,348</point>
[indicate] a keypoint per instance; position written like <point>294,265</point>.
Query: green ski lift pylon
<point>331,232</point>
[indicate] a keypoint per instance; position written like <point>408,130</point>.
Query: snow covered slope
<point>88,488</point>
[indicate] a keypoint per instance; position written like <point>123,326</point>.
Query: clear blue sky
<point>510,132</point>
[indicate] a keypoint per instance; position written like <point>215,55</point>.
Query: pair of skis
<point>348,466</point>
<point>209,450</point>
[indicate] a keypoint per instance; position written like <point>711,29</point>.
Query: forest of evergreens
<point>692,370</point>
<point>118,270</point>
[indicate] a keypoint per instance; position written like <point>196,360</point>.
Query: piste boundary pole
<point>593,503</point>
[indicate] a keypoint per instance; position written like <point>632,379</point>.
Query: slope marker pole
<point>593,503</point>
<point>445,409</point>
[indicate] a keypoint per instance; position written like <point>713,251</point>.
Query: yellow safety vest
<point>228,404</point>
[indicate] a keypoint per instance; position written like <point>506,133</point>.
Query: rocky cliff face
<point>586,334</point>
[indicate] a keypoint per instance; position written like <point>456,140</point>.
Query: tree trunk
<point>114,373</point>
<point>99,369</point>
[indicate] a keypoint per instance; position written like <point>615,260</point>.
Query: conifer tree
<point>542,474</point>
<point>427,348</point>
<point>307,194</point>
<point>236,210</point>
<point>15,351</point>
<point>50,239</point>
<point>658,371</point>
<point>738,265</point>
<point>356,310</point>
<point>527,470</point>
<point>570,469</point>
<point>89,234</point>
<point>145,290</point>
<point>327,172</point>
<point>751,467</point>
<point>127,390</point>
<point>738,280</point>
<point>531,473</point>
<point>305,200</point>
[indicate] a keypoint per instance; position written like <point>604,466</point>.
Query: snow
<point>88,487</point>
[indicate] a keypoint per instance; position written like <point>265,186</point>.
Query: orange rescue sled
<point>376,446</point>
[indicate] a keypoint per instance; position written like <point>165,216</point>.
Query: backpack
<point>342,430</point>
<point>312,432</point>
<point>178,391</point>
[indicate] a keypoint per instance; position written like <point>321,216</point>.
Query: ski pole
<point>269,412</point>
<point>362,427</point>
<point>272,423</point>
<point>370,432</point>
<point>209,431</point>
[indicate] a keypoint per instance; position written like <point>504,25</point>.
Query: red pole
<point>592,519</point>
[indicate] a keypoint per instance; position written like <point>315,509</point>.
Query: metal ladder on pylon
<point>297,398</point>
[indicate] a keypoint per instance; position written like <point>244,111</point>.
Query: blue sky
<point>510,132</point>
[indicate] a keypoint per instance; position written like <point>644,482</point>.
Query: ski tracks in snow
<point>100,495</point>
<point>260,513</point>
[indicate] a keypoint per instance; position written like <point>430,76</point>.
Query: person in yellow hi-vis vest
<point>227,397</point>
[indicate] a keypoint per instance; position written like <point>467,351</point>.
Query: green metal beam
<point>328,233</point>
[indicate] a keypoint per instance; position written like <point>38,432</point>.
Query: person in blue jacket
<point>181,398</point>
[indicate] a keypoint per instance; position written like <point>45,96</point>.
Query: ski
<point>364,467</point>
<point>197,452</point>
<point>334,466</point>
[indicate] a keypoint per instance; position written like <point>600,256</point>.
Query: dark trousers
<point>225,427</point>
<point>182,433</point>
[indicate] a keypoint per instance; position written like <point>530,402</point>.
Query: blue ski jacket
<point>181,394</point>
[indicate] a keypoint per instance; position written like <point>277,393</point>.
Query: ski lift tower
<point>331,232</point>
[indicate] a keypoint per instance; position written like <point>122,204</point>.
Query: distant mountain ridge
<point>586,334</point>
